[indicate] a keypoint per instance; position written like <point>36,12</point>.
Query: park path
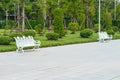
<point>88,61</point>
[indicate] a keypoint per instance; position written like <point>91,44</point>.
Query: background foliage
<point>84,12</point>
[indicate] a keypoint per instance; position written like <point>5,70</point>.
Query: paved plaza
<point>88,61</point>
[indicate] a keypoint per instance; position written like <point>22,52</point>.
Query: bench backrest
<point>103,35</point>
<point>24,41</point>
<point>106,36</point>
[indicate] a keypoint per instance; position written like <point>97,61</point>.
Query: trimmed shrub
<point>108,20</point>
<point>86,33</point>
<point>52,36</point>
<point>5,40</point>
<point>58,22</point>
<point>115,28</point>
<point>29,33</point>
<point>73,27</point>
<point>110,32</point>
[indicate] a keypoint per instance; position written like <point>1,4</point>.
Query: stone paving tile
<point>91,61</point>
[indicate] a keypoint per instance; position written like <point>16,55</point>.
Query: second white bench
<point>104,36</point>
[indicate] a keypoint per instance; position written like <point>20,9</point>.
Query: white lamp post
<point>99,28</point>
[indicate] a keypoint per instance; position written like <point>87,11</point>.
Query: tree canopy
<point>84,12</point>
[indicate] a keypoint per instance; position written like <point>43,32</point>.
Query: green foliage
<point>33,23</point>
<point>84,12</point>
<point>58,22</point>
<point>73,27</point>
<point>12,35</point>
<point>52,36</point>
<point>28,8</point>
<point>7,27</point>
<point>82,27</point>
<point>40,19</point>
<point>108,20</point>
<point>86,33</point>
<point>29,33</point>
<point>96,27</point>
<point>44,30</point>
<point>110,32</point>
<point>116,36</point>
<point>5,40</point>
<point>39,29</point>
<point>11,23</point>
<point>0,5</point>
<point>115,29</point>
<point>32,14</point>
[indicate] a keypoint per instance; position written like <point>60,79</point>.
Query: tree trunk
<point>50,24</point>
<point>58,2</point>
<point>44,12</point>
<point>74,15</point>
<point>6,17</point>
<point>115,10</point>
<point>65,22</point>
<point>18,17</point>
<point>50,18</point>
<point>23,16</point>
<point>87,15</point>
<point>107,6</point>
<point>74,19</point>
<point>91,23</point>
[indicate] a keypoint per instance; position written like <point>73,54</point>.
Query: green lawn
<point>68,39</point>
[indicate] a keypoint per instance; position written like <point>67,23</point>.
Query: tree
<point>58,22</point>
<point>43,7</point>
<point>108,21</point>
<point>89,7</point>
<point>18,13</point>
<point>85,12</point>
<point>6,4</point>
<point>50,5</point>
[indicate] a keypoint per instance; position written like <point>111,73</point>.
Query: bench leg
<point>20,49</point>
<point>36,47</point>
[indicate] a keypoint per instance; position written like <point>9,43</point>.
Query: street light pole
<point>99,17</point>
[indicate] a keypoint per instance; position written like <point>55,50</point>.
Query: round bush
<point>110,32</point>
<point>115,28</point>
<point>29,33</point>
<point>86,33</point>
<point>5,40</point>
<point>52,36</point>
<point>73,27</point>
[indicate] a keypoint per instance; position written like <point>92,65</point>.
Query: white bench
<point>104,36</point>
<point>22,42</point>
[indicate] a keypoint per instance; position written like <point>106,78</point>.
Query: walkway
<point>89,61</point>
